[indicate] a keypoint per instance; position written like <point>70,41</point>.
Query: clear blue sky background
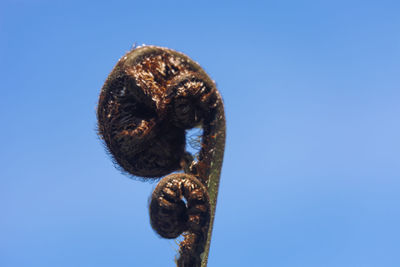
<point>311,176</point>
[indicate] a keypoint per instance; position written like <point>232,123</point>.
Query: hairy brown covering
<point>170,216</point>
<point>148,101</point>
<point>152,96</point>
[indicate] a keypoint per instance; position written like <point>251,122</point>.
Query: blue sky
<point>311,175</point>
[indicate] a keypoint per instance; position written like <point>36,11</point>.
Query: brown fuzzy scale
<point>148,101</point>
<point>170,216</point>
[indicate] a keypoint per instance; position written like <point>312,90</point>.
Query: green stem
<point>214,139</point>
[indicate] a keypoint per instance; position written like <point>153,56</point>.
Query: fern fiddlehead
<point>152,96</point>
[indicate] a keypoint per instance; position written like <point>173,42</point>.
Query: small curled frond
<point>179,204</point>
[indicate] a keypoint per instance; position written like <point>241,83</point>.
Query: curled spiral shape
<point>148,101</point>
<point>170,216</point>
<point>152,96</point>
